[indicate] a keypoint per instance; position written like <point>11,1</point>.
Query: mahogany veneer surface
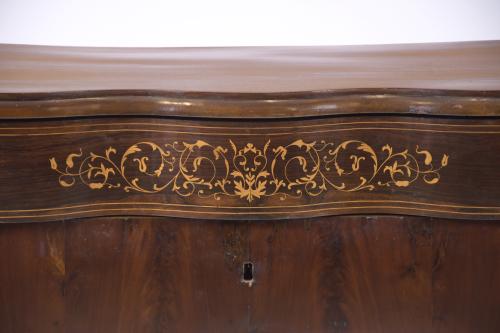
<point>450,66</point>
<point>331,274</point>
<point>361,183</point>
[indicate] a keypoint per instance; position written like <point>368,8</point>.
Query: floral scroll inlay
<point>250,172</point>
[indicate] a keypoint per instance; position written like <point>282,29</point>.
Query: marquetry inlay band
<point>250,172</point>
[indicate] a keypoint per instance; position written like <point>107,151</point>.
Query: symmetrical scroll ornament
<point>250,172</point>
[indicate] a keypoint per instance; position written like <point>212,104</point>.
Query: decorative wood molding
<point>217,105</point>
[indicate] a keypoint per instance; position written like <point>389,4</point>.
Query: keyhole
<point>247,273</point>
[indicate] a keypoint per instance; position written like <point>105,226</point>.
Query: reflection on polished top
<point>454,66</point>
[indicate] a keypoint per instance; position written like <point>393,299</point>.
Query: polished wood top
<point>454,66</point>
<point>446,79</point>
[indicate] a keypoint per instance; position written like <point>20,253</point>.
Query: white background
<point>251,22</point>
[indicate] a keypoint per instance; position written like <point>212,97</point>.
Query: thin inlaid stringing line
<point>257,207</point>
<point>256,128</point>
<point>244,213</point>
<point>249,134</point>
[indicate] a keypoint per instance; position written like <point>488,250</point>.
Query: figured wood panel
<point>350,274</point>
<point>376,274</point>
<point>330,274</point>
<point>150,275</point>
<point>32,278</point>
<point>250,170</point>
<point>459,251</point>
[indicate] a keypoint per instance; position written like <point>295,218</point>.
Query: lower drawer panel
<point>330,274</point>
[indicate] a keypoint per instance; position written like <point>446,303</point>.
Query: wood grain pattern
<point>331,274</point>
<point>454,79</point>
<point>461,66</point>
<point>160,173</point>
<point>363,178</point>
<point>32,278</point>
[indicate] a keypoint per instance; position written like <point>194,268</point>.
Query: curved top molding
<point>249,105</point>
<point>460,79</point>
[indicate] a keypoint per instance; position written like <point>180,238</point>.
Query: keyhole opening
<point>247,273</point>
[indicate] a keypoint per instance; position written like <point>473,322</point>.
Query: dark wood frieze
<point>250,170</point>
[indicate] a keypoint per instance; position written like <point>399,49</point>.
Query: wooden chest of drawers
<point>315,189</point>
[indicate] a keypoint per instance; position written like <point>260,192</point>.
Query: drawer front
<point>247,169</point>
<point>327,274</point>
<point>150,274</point>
